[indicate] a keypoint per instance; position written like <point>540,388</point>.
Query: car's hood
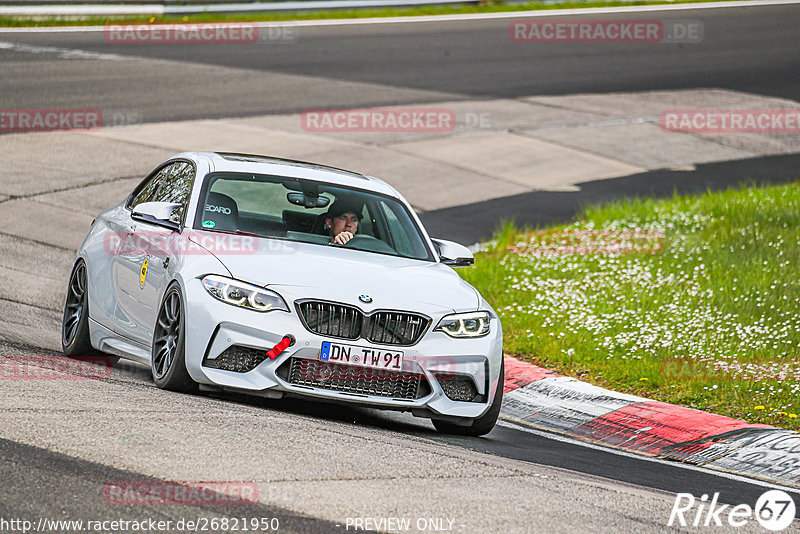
<point>301,270</point>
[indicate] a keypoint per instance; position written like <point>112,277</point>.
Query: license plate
<point>361,356</point>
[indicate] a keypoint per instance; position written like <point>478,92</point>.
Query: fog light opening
<point>459,387</point>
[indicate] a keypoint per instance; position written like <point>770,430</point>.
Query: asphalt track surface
<point>755,49</point>
<point>749,49</point>
<point>43,481</point>
<point>30,473</point>
<point>476,222</point>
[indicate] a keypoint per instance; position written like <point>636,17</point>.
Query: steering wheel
<point>370,244</point>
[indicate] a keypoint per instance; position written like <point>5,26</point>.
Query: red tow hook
<point>275,351</point>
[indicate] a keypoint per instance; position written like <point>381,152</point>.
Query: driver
<point>342,221</point>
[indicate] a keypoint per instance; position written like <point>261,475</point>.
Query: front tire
<point>483,424</point>
<point>168,358</point>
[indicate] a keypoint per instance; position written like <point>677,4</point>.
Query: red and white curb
<point>545,400</point>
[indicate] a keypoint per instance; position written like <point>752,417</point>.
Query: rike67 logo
<point>774,511</point>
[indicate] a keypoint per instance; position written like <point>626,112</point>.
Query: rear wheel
<point>483,424</point>
<point>75,339</point>
<point>168,361</point>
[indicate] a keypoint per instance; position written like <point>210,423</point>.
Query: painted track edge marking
<point>451,18</point>
<point>649,429</point>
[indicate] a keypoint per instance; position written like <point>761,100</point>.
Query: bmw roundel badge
<point>366,299</point>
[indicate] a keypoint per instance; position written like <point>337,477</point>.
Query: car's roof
<point>256,164</point>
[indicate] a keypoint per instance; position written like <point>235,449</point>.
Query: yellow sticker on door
<point>143,273</point>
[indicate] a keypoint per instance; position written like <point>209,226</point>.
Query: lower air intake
<point>237,359</point>
<point>354,379</point>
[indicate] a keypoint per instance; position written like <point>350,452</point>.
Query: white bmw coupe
<point>283,278</point>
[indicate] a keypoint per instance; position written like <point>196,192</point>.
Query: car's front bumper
<point>213,326</point>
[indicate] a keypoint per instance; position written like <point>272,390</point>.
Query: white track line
<point>63,53</point>
<point>453,18</point>
<point>724,474</point>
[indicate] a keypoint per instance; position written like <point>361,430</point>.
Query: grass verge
<point>707,316</point>
<point>492,6</point>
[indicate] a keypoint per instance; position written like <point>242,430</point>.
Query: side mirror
<point>160,213</point>
<point>453,254</point>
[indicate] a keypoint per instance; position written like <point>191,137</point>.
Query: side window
<point>398,236</point>
<point>176,187</point>
<point>148,192</point>
<point>365,226</point>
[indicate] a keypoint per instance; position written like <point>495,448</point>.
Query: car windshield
<point>304,210</point>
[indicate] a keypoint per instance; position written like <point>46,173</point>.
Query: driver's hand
<point>343,237</point>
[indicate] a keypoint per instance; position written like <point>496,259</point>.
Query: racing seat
<point>222,211</point>
<point>319,225</point>
<point>297,221</point>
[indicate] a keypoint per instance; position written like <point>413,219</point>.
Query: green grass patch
<point>483,7</point>
<point>707,316</point>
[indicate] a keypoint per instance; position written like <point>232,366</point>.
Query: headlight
<point>475,324</point>
<point>243,294</point>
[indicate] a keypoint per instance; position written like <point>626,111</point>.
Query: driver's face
<point>346,222</point>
